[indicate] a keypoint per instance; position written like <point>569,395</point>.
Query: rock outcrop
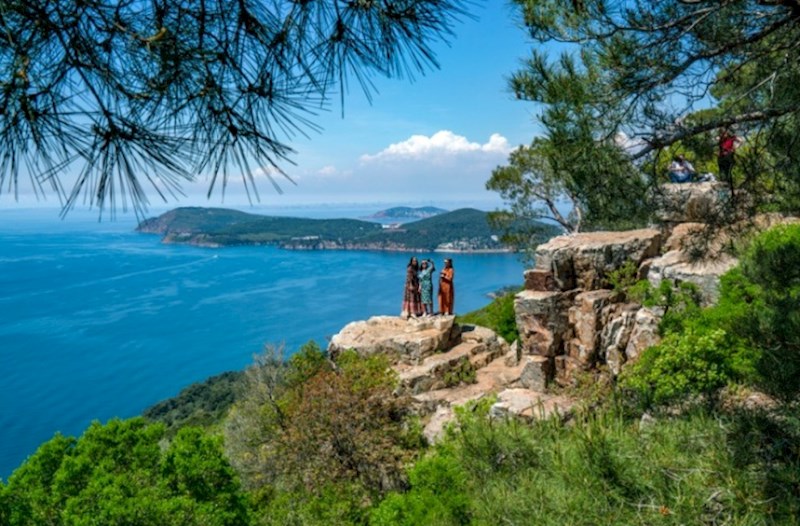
<point>405,341</point>
<point>441,365</point>
<point>571,321</point>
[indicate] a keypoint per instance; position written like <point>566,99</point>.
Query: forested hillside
<point>465,229</point>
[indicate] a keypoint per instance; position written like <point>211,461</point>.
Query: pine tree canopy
<point>138,96</point>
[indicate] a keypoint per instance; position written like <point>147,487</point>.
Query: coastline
<point>337,246</point>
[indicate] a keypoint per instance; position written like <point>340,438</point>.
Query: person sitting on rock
<point>681,170</point>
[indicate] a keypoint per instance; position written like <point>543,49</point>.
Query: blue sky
<point>431,141</point>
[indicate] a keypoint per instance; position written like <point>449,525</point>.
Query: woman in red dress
<point>412,303</point>
<point>447,291</point>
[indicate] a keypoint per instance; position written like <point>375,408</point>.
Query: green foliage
<point>608,90</point>
<point>770,269</point>
<point>462,373</point>
<point>122,473</point>
<point>623,278</point>
<point>120,95</point>
<point>319,441</point>
<point>201,404</point>
<point>230,227</point>
<point>438,496</point>
<point>498,315</point>
<point>751,335</point>
<point>695,361</point>
<point>568,165</point>
<point>676,303</point>
<point>599,469</point>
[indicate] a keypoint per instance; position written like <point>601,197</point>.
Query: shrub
<point>771,271</point>
<point>600,468</point>
<point>498,315</point>
<point>437,496</point>
<point>696,361</point>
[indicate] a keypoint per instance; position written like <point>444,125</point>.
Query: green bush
<point>751,335</point>
<point>696,361</point>
<point>438,496</point>
<point>498,315</point>
<point>600,468</point>
<point>463,372</point>
<point>771,271</point>
<point>124,472</point>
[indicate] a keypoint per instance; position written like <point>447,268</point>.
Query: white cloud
<point>440,145</point>
<point>328,170</point>
<point>627,143</point>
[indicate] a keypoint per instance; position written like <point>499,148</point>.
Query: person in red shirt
<point>728,142</point>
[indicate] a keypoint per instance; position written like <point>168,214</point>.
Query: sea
<point>98,321</point>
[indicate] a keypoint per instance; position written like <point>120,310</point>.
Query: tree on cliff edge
<point>150,92</point>
<point>640,77</point>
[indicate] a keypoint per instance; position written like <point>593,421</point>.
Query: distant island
<point>463,230</point>
<point>407,212</point>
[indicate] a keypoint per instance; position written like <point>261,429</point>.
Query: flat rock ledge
<point>402,340</point>
<point>442,365</point>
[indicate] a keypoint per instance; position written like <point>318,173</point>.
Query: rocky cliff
<point>569,316</point>
<point>570,320</point>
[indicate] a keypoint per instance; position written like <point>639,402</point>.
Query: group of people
<point>418,292</point>
<point>681,170</point>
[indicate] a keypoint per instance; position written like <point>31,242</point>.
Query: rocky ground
<point>441,365</point>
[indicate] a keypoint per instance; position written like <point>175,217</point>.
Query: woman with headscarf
<point>447,291</point>
<point>412,305</point>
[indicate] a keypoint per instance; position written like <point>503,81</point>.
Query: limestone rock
<point>567,369</point>
<point>408,341</point>
<point>644,334</point>
<point>536,372</point>
<point>677,266</point>
<point>514,354</point>
<point>540,279</point>
<point>586,319</point>
<point>691,202</point>
<point>494,343</point>
<point>542,320</point>
<point>437,423</point>
<point>616,333</point>
<point>529,404</point>
<point>584,260</point>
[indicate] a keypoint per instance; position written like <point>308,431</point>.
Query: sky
<point>430,141</point>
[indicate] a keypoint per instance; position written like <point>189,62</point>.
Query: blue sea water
<point>97,321</point>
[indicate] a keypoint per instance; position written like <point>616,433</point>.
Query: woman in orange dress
<point>447,291</point>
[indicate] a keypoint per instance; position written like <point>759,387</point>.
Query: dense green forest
<point>306,441</point>
<point>464,229</point>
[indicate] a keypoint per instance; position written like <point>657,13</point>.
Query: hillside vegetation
<point>312,442</point>
<point>464,229</point>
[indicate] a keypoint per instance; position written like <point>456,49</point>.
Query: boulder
<point>542,321</point>
<point>529,404</point>
<point>691,202</point>
<point>406,341</point>
<point>584,260</point>
<point>677,266</point>
<point>494,343</point>
<point>616,333</point>
<point>540,279</point>
<point>585,317</point>
<point>644,334</point>
<point>536,372</point>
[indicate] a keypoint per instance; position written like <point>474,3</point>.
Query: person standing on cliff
<point>412,305</point>
<point>728,142</point>
<point>426,285</point>
<point>447,291</point>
